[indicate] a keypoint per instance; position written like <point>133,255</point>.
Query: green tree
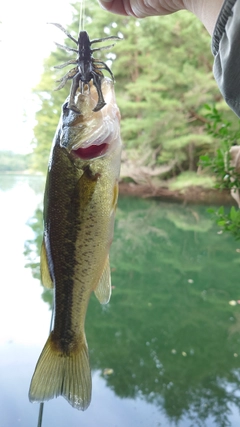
<point>164,82</point>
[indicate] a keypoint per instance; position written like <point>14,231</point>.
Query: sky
<point>25,40</point>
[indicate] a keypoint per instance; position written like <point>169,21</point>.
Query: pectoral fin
<point>45,274</point>
<point>103,289</point>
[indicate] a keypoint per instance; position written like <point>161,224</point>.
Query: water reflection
<point>169,335</point>
<point>11,181</point>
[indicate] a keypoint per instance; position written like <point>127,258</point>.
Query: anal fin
<point>45,274</point>
<point>103,289</point>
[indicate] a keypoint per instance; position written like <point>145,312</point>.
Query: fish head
<point>91,135</point>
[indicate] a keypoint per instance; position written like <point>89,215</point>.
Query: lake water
<point>165,351</point>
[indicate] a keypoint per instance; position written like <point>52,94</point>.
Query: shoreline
<point>192,195</point>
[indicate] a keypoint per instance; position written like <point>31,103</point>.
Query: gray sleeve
<point>226,51</point>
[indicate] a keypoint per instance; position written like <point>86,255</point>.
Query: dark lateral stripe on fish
<point>63,328</point>
<point>67,242</point>
<point>64,331</point>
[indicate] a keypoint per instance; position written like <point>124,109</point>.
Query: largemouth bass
<point>79,206</point>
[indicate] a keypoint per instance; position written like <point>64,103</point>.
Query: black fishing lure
<point>87,69</point>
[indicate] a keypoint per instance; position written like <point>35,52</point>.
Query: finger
<point>120,7</point>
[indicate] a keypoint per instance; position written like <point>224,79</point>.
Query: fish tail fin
<point>61,374</point>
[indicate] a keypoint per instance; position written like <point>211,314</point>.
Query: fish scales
<point>79,206</point>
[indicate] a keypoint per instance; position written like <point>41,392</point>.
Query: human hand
<point>207,11</point>
<point>141,8</point>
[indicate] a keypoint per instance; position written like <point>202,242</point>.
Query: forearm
<point>207,11</point>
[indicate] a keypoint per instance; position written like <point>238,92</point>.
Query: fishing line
<point>40,412</point>
<point>81,15</point>
<point>40,415</point>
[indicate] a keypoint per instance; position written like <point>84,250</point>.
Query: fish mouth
<point>97,148</point>
<point>91,152</point>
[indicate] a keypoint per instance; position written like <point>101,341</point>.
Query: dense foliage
<point>218,159</point>
<point>163,72</point>
<point>219,163</point>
